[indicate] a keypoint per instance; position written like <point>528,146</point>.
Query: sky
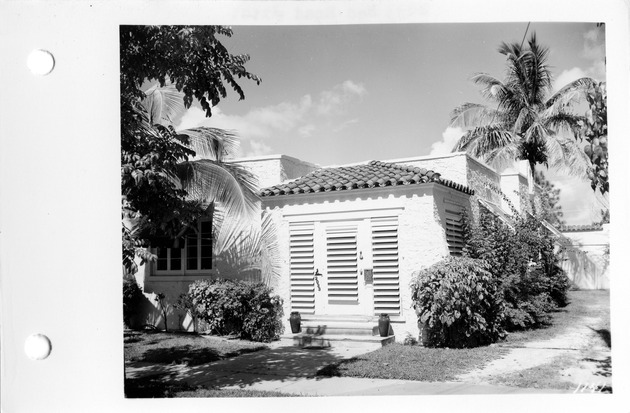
<point>341,94</point>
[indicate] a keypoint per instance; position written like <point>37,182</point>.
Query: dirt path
<point>577,358</point>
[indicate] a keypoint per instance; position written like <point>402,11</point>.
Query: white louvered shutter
<point>385,261</point>
<point>454,230</point>
<point>341,257</point>
<point>302,265</point>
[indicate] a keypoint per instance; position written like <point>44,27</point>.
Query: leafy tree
<point>171,178</point>
<point>596,136</point>
<point>528,122</point>
<point>550,208</point>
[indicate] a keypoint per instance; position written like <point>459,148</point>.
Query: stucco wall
<point>587,265</point>
<point>234,263</point>
<point>421,236</point>
<point>273,169</point>
<point>451,166</point>
<point>237,263</point>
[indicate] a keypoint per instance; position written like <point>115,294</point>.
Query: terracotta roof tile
<point>578,228</point>
<point>374,174</point>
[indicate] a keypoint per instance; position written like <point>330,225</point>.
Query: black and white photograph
<point>365,209</point>
<point>314,205</point>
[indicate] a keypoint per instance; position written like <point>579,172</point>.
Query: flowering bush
<point>249,310</point>
<point>458,300</point>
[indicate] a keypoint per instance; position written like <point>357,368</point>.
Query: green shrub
<point>132,298</point>
<point>525,262</point>
<point>242,308</point>
<point>458,300</point>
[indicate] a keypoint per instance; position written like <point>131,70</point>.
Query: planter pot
<point>296,320</point>
<point>383,325</point>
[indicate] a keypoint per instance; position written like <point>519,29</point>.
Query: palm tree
<point>208,185</point>
<point>528,122</point>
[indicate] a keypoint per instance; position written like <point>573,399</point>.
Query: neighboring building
<point>586,258</point>
<point>348,238</point>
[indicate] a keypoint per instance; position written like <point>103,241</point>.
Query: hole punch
<point>37,347</point>
<point>40,62</point>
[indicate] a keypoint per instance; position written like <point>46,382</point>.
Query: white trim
<point>183,271</point>
<point>349,214</point>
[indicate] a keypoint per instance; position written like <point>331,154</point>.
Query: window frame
<point>183,270</point>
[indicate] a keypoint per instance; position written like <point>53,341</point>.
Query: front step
<point>311,340</point>
<point>340,325</point>
<point>326,331</point>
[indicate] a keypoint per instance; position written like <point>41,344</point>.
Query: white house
<point>350,237</point>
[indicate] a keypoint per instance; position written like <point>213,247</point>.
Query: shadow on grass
<point>188,354</point>
<point>283,364</point>
<point>154,387</point>
<point>334,370</point>
<point>604,334</point>
<point>604,366</point>
<point>161,387</point>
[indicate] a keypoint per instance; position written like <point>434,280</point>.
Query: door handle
<point>317,274</point>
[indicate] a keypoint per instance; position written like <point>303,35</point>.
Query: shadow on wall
<point>586,271</point>
<point>146,314</point>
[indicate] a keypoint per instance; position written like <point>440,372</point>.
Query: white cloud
<point>306,130</point>
<point>299,117</point>
<point>336,100</point>
<point>594,44</point>
<point>345,124</point>
<point>578,201</point>
<point>568,76</point>
<point>594,49</point>
<point>450,136</point>
<point>258,148</point>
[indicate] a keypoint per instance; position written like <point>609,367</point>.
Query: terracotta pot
<point>295,319</point>
<point>383,325</point>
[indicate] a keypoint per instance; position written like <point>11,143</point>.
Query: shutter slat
<point>385,265</point>
<point>302,268</point>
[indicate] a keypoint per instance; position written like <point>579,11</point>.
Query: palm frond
<point>525,118</point>
<point>578,86</point>
<point>492,88</point>
<point>483,140</point>
<point>540,75</point>
<point>470,115</point>
<point>565,121</point>
<point>211,143</point>
<point>209,181</point>
<point>503,157</point>
<point>163,104</point>
<point>271,263</point>
<point>567,156</point>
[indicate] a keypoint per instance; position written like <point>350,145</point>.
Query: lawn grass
<point>583,303</point>
<point>182,348</point>
<point>396,361</point>
<point>546,376</point>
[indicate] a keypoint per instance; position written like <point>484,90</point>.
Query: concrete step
<point>335,328</point>
<point>336,325</point>
<point>339,318</point>
<point>329,340</point>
